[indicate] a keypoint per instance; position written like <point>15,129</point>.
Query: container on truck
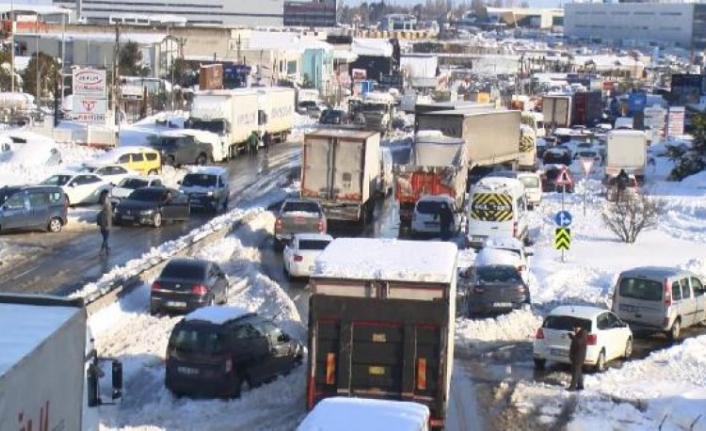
<point>381,322</point>
<point>341,170</point>
<point>586,108</point>
<point>492,136</point>
<point>626,149</point>
<point>49,371</point>
<point>438,166</point>
<point>421,108</point>
<point>276,112</point>
<point>231,114</point>
<point>557,111</point>
<point>211,77</point>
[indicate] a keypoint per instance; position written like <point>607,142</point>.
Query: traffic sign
<point>563,179</point>
<point>563,219</point>
<point>586,165</point>
<point>562,238</point>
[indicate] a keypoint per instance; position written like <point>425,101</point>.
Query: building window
<point>671,13</point>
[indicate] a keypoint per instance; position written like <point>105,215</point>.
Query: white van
<point>498,207</point>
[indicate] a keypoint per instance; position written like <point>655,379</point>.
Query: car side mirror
<point>283,338</point>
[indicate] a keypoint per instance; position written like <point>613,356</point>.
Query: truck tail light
<point>278,223</point>
<point>298,258</point>
<point>321,226</point>
<point>330,368</point>
<point>667,293</point>
<point>592,339</point>
<point>156,286</point>
<point>539,335</point>
<point>421,374</point>
<point>199,289</point>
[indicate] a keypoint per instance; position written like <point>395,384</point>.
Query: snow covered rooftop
<point>359,414</point>
<point>371,47</point>
<point>139,38</point>
<point>216,314</point>
<point>388,259</point>
<point>26,326</point>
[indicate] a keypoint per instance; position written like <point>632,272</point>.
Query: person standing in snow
<point>622,183</point>
<point>266,141</point>
<point>577,355</point>
<point>252,143</point>
<point>445,218</point>
<point>105,221</point>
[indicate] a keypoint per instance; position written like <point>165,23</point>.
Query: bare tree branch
<point>632,214</point>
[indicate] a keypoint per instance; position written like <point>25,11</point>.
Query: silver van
<point>660,299</point>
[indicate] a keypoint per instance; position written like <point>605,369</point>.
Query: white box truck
<point>626,149</point>
<point>276,112</point>
<point>556,110</point>
<point>231,114</point>
<point>49,371</point>
<point>341,170</point>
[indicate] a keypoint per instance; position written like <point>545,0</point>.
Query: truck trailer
<point>422,108</point>
<point>626,149</point>
<point>341,170</point>
<point>276,112</point>
<point>381,322</point>
<point>586,108</point>
<point>556,111</point>
<point>49,371</point>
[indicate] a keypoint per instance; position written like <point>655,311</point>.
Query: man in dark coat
<point>577,355</point>
<point>445,219</point>
<point>622,181</point>
<point>266,141</point>
<point>105,222</point>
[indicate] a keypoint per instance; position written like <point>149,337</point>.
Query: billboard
<point>89,109</point>
<point>89,82</point>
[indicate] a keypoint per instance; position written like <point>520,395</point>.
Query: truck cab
<point>374,111</point>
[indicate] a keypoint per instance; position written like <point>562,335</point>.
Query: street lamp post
<point>12,47</point>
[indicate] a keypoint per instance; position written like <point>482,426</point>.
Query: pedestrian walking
<point>105,221</point>
<point>622,183</point>
<point>577,355</point>
<point>266,141</point>
<point>445,219</point>
<point>252,143</point>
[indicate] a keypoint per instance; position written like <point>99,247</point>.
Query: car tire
<point>628,349</point>
<point>600,362</point>
<point>243,386</point>
<point>157,219</point>
<point>201,160</point>
<point>54,225</point>
<point>154,311</point>
<point>540,364</point>
<point>675,331</point>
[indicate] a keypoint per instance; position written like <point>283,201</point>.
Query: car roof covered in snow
<point>208,170</point>
<point>580,311</point>
<point>652,271</point>
<point>503,243</point>
<point>217,314</point>
<point>499,184</point>
<point>491,256</point>
<point>388,259</point>
<point>361,414</point>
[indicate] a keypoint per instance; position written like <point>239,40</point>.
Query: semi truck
<point>276,112</point>
<point>341,170</point>
<point>421,108</point>
<point>381,322</point>
<point>586,108</point>
<point>626,149</point>
<point>492,136</point>
<point>49,370</point>
<point>231,114</point>
<point>557,111</point>
<point>373,111</point>
<point>437,167</point>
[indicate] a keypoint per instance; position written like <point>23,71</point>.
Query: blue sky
<point>532,3</point>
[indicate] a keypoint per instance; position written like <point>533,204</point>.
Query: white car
<point>80,187</point>
<point>609,337</point>
<point>301,253</point>
<point>426,219</point>
<point>505,251</point>
<point>113,173</point>
<point>131,183</point>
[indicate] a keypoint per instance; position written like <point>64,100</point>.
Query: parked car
<point>152,206</point>
<point>589,154</point>
<point>131,183</point>
<point>312,108</point>
<point>494,289</point>
<point>112,173</point>
<point>426,217</point>
<point>177,149</point>
<point>186,284</point>
<point>225,351</point>
<point>554,174</point>
<point>300,254</point>
<point>298,216</point>
<point>556,155</point>
<point>80,188</point>
<point>609,337</point>
<point>657,299</point>
<point>505,251</point>
<point>207,187</point>
<point>27,155</point>
<point>144,160</point>
<point>333,117</point>
<point>532,182</point>
<point>32,207</point>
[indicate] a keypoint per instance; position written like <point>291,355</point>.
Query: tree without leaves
<point>629,216</point>
<point>49,73</point>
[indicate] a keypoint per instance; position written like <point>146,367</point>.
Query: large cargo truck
<point>556,111</point>
<point>231,114</point>
<point>437,166</point>
<point>341,170</point>
<point>49,371</point>
<point>626,150</point>
<point>421,108</point>
<point>381,322</point>
<point>586,108</point>
<point>276,109</point>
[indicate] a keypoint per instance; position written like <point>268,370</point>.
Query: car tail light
<point>156,286</point>
<point>320,226</point>
<point>229,365</point>
<point>199,289</point>
<point>667,293</point>
<point>278,223</point>
<point>521,268</point>
<point>592,339</point>
<point>540,334</point>
<point>514,229</point>
<point>298,258</point>
<point>478,289</point>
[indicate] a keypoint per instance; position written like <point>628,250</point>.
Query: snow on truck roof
<point>388,259</point>
<point>341,133</point>
<point>24,327</point>
<point>360,414</point>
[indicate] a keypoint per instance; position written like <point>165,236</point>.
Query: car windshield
<point>313,244</point>
<point>5,194</point>
<point>163,141</point>
<point>530,182</point>
<point>498,274</point>
<point>199,180</point>
<point>553,173</point>
<point>429,207</point>
<point>133,183</point>
<point>566,323</point>
<point>57,180</point>
<point>187,340</point>
<point>147,195</point>
<point>184,271</point>
<point>640,288</point>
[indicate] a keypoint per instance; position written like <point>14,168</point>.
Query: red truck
<point>587,108</point>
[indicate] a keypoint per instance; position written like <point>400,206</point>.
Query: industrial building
<point>310,14</point>
<point>678,24</point>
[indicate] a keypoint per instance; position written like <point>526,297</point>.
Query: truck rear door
<point>333,169</point>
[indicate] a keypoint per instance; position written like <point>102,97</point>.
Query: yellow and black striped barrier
<point>492,207</point>
<point>562,238</point>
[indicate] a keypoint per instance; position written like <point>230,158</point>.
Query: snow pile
<point>12,174</point>
<point>171,119</point>
<point>520,325</point>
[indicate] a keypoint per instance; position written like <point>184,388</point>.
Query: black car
<point>553,175</point>
<point>558,155</point>
<point>224,351</point>
<point>332,116</point>
<point>152,206</point>
<point>187,284</point>
<point>496,288</point>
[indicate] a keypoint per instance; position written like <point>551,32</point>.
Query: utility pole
<point>12,47</point>
<point>116,71</point>
<point>37,76</point>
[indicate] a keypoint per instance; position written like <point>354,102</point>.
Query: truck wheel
<point>201,159</point>
<point>243,386</point>
<point>539,364</point>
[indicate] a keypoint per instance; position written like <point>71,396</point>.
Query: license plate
<point>128,217</point>
<point>187,371</point>
<point>376,371</point>
<point>502,304</point>
<point>559,352</point>
<point>176,304</point>
<point>630,308</point>
<point>477,238</point>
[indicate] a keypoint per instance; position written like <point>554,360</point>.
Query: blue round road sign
<point>563,219</point>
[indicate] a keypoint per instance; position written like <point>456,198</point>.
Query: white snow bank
<point>520,325</point>
<point>696,180</point>
<point>27,171</point>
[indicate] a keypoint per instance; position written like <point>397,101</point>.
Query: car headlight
<point>209,194</point>
<point>150,211</point>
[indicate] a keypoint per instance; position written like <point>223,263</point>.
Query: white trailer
<point>49,370</point>
<point>231,114</point>
<point>626,150</point>
<point>276,112</point>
